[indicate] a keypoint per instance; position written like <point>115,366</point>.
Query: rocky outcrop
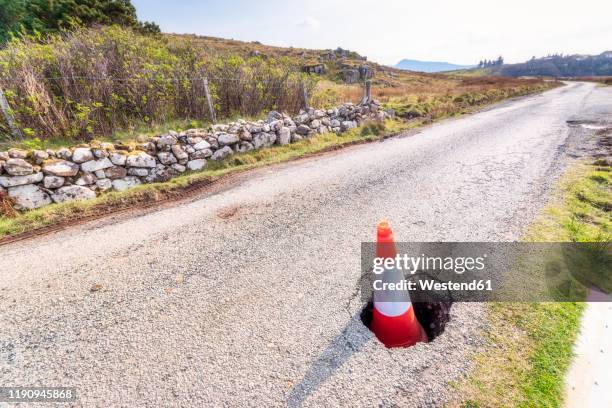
<point>33,179</point>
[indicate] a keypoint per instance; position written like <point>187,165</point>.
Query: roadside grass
<point>530,344</point>
<point>436,106</point>
<point>15,223</point>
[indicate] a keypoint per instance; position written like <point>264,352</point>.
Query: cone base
<point>398,331</point>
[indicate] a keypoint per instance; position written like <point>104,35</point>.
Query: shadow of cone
<point>393,320</point>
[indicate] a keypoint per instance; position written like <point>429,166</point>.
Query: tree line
<point>491,63</point>
<point>32,17</point>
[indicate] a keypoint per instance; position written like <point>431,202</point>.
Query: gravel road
<point>247,297</point>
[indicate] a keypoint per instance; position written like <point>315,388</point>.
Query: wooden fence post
<point>8,116</point>
<point>211,108</point>
<point>367,93</point>
<point>305,95</point>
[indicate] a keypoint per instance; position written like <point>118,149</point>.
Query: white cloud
<point>309,23</point>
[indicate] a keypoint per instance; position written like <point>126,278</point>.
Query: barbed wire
<point>122,79</point>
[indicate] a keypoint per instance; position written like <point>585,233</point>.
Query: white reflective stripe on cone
<point>392,309</point>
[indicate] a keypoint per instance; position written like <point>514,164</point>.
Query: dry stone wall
<point>36,178</point>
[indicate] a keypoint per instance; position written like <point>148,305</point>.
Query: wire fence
<point>84,106</point>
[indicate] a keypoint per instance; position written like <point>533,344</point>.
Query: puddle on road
<point>587,124</point>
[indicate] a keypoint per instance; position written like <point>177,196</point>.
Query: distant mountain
<point>560,66</point>
<point>429,66</point>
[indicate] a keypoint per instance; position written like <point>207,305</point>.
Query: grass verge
<point>11,224</point>
<point>530,344</point>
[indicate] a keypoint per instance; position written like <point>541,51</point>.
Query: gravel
<point>258,307</point>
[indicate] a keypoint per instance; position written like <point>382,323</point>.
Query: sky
<point>386,31</point>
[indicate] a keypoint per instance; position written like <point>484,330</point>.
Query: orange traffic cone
<point>393,319</point>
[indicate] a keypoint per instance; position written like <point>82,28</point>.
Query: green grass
<point>146,193</point>
<point>531,343</point>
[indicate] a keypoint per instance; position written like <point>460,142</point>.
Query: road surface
<point>247,297</point>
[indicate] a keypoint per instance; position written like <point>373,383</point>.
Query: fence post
<point>211,108</point>
<point>8,116</point>
<point>367,93</point>
<point>305,95</point>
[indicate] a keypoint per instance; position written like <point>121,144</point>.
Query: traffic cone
<point>393,320</point>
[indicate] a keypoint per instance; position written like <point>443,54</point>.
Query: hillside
<point>429,66</point>
<point>103,81</point>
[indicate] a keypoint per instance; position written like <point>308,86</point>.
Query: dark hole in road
<point>433,316</point>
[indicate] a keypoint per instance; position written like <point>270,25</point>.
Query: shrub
<point>98,80</point>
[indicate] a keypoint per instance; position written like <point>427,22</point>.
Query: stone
<point>138,171</point>
<point>18,167</point>
<point>104,185</point>
<point>86,179</point>
<point>148,147</point>
<point>193,140</point>
<point>117,158</point>
<point>2,166</point>
<point>115,172</point>
<point>100,153</point>
<point>60,168</point>
<point>244,147</point>
<point>301,118</point>
<point>245,135</point>
<point>351,76</point>
<point>166,158</point>
<point>318,114</point>
<point>194,165</point>
<point>4,156</point>
<point>276,125</point>
<point>95,165</point>
<point>39,156</point>
<point>214,144</point>
<point>179,152</point>
<point>141,159</point>
<point>17,154</point>
<point>335,123</point>
<point>315,124</point>
<point>72,193</point>
<point>222,153</point>
<point>303,130</point>
<point>15,181</point>
<point>263,140</point>
<point>179,168</point>
<point>202,145</point>
<point>125,183</point>
<point>220,128</point>
<point>53,181</point>
<point>166,141</point>
<point>100,174</point>
<point>273,116</point>
<point>226,139</point>
<point>28,197</point>
<point>284,136</point>
<point>82,155</point>
<point>201,154</point>
<point>64,154</point>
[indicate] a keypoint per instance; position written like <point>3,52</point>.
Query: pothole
<point>433,316</point>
